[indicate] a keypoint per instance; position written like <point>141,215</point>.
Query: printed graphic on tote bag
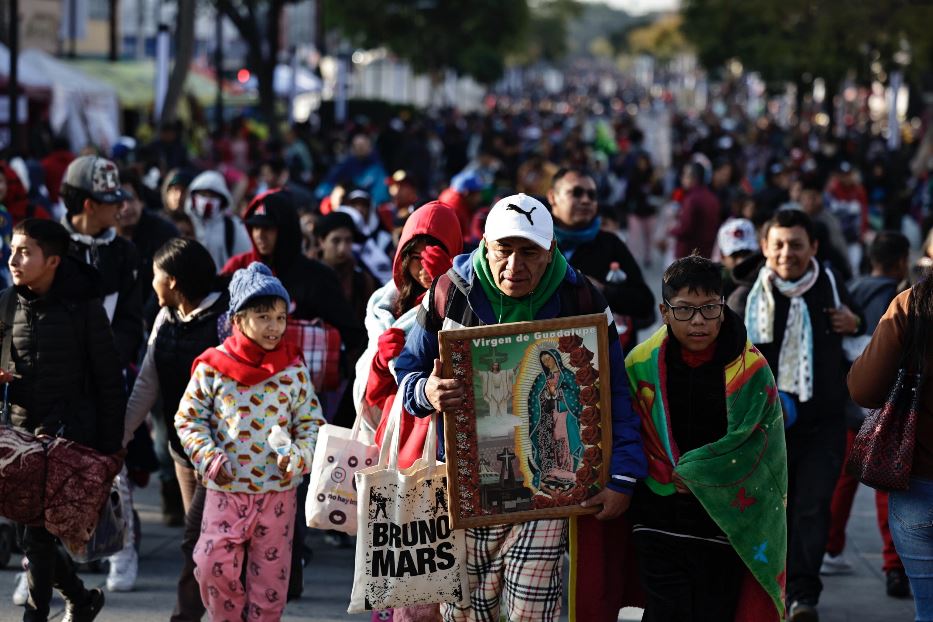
<point>418,548</point>
<point>333,505</point>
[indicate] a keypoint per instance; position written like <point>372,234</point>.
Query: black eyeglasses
<point>686,313</point>
<point>579,191</point>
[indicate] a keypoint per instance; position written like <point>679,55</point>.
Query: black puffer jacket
<point>63,348</point>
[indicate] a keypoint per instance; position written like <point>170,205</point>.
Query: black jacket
<point>697,412</point>
<point>829,362</point>
<point>63,348</point>
<point>150,234</point>
<point>633,297</point>
<point>313,287</point>
<point>176,345</point>
<point>119,288</point>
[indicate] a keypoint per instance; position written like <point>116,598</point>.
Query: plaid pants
<point>515,568</point>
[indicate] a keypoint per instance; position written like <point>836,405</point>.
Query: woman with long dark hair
<point>429,241</point>
<point>903,340</point>
<point>184,279</point>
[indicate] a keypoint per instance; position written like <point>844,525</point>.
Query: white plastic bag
<point>338,455</point>
<point>406,552</point>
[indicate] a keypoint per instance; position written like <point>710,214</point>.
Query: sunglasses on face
<point>686,313</point>
<point>578,192</point>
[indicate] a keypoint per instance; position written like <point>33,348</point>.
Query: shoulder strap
<point>8,309</point>
<point>228,235</point>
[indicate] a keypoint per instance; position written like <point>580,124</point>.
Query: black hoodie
<point>697,413</point>
<point>313,287</point>
<point>63,347</point>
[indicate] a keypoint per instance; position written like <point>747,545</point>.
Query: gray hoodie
<point>211,229</point>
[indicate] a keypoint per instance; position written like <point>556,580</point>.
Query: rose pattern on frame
<point>580,357</point>
<point>569,342</point>
<point>467,477</point>
<point>586,375</point>
<point>587,475</point>
<point>589,395</point>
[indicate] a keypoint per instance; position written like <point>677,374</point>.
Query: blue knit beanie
<point>252,281</point>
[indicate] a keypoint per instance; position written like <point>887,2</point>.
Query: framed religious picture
<point>533,437</point>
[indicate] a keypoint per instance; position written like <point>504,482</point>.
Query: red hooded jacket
<point>440,222</point>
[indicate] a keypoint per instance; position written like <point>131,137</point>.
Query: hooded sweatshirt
<point>313,287</point>
<point>214,230</point>
<point>117,261</point>
<point>378,386</point>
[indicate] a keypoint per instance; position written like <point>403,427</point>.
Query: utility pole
<point>73,28</point>
<point>114,7</point>
<point>219,68</point>
<point>13,86</point>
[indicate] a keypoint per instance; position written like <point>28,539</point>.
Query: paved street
<point>858,597</point>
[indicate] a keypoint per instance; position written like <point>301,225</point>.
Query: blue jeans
<point>911,520</point>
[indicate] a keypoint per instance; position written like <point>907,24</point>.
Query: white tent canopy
<point>83,109</point>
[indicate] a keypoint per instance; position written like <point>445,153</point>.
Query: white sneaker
<point>835,564</point>
<point>21,590</point>
<point>124,567</point>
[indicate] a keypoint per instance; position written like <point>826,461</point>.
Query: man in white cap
<point>516,274</point>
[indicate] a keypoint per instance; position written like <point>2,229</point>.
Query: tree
<point>433,35</point>
<point>662,39</point>
<point>258,23</point>
<point>546,38</point>
<point>184,50</point>
<point>785,40</point>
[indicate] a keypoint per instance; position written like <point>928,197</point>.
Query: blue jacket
<point>416,362</point>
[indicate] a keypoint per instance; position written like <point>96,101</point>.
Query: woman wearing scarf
<point>430,238</point>
<point>241,397</point>
<point>797,313</point>
<point>593,251</point>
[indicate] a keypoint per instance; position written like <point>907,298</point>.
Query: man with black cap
<point>275,231</point>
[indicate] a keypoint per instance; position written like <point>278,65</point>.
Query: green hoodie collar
<point>508,309</point>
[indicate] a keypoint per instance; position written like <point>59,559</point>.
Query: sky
<point>637,7</point>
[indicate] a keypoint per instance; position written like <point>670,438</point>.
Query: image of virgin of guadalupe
<point>553,425</point>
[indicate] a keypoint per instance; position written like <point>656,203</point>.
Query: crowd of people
<point>166,291</point>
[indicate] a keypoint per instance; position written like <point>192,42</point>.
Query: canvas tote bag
<point>332,496</point>
<point>406,552</point>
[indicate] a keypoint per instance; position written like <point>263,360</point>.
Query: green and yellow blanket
<point>741,479</point>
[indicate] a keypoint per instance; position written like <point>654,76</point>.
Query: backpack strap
<point>8,309</point>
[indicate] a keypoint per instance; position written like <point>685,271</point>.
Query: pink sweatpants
<point>260,525</point>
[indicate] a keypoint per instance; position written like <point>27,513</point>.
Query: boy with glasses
<point>708,521</point>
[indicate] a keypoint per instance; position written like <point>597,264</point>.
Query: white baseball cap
<point>520,216</point>
<point>736,235</point>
